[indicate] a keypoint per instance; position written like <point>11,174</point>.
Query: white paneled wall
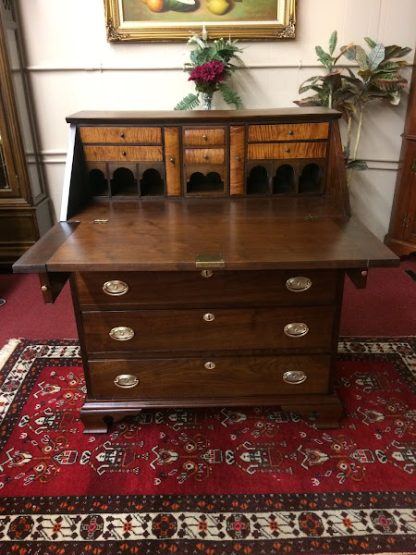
<point>72,67</point>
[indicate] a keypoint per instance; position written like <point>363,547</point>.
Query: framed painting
<point>168,20</point>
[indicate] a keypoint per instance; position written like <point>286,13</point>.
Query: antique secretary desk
<point>207,253</point>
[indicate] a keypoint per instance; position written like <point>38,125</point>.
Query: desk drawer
<point>277,151</point>
<point>123,153</point>
<point>204,155</point>
<point>203,136</point>
<point>193,378</point>
<point>288,132</point>
<point>143,135</point>
<point>207,329</point>
<point>218,288</point>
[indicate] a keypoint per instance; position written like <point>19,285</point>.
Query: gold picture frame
<point>178,20</point>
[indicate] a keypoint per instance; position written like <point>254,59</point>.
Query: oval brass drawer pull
<point>298,284</point>
<point>294,377</point>
<point>126,381</point>
<point>207,273</point>
<point>121,333</point>
<point>115,287</point>
<point>210,365</point>
<point>208,317</point>
<point>296,329</point>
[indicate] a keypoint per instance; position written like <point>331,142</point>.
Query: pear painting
<point>200,11</point>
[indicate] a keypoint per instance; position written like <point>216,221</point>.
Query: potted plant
<point>210,65</point>
<point>378,78</point>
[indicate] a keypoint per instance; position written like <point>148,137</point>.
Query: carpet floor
<point>209,481</point>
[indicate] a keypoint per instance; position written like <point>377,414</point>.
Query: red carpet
<point>223,481</point>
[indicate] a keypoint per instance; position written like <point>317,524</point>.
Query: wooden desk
<point>212,279</point>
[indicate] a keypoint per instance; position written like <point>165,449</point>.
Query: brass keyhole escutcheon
<point>210,365</point>
<point>207,273</point>
<point>208,317</point>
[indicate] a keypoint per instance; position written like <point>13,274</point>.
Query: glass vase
<point>207,100</point>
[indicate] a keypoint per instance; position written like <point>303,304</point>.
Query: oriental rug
<point>208,481</point>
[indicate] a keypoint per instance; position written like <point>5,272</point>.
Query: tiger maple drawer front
<point>197,330</point>
<point>95,153</point>
<point>274,151</point>
<point>193,378</point>
<point>206,287</point>
<point>288,132</point>
<point>143,135</point>
<point>204,156</point>
<point>204,136</point>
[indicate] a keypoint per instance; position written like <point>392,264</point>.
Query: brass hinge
<point>205,261</point>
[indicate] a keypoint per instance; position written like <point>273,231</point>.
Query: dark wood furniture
<point>24,204</point>
<point>401,237</point>
<point>207,253</point>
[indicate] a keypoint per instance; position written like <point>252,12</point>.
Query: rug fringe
<point>7,350</point>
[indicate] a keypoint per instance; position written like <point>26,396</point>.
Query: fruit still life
<point>216,7</point>
<point>200,10</point>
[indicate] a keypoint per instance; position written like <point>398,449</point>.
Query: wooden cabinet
<point>401,237</point>
<point>207,253</point>
<point>24,205</point>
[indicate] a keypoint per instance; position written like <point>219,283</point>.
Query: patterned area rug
<point>209,481</point>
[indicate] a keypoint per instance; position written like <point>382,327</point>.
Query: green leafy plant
<point>210,65</point>
<point>377,78</point>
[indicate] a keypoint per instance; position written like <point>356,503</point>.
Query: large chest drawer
<point>292,329</point>
<point>212,288</point>
<point>221,377</point>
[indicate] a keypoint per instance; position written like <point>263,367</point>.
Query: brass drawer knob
<point>121,333</point>
<point>298,284</point>
<point>205,137</point>
<point>207,273</point>
<point>210,365</point>
<point>126,381</point>
<point>206,157</point>
<point>294,377</point>
<point>115,287</point>
<point>208,317</point>
<point>296,329</point>
<point>290,132</point>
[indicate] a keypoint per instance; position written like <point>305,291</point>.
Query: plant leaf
<point>376,56</point>
<point>190,102</point>
<point>323,57</point>
<point>333,39</point>
<point>230,96</point>
<point>359,165</point>
<point>371,43</point>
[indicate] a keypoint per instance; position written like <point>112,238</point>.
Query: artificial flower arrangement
<point>211,64</point>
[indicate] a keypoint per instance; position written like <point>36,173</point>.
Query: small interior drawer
<point>203,136</point>
<point>209,329</point>
<point>288,132</point>
<point>275,151</point>
<point>222,377</point>
<point>144,135</point>
<point>204,155</point>
<point>206,287</point>
<point>120,153</point>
